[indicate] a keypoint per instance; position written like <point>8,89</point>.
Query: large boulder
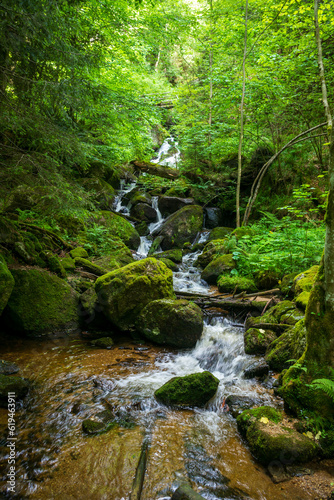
<point>258,340</point>
<point>212,250</point>
<point>270,441</point>
<point>218,266</point>
<point>6,284</point>
<point>192,390</point>
<point>118,226</point>
<point>177,323</point>
<point>290,345</point>
<point>41,304</point>
<point>181,227</point>
<point>18,385</point>
<point>143,212</point>
<point>170,204</point>
<point>123,293</point>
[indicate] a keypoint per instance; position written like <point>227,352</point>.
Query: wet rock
<point>91,312</point>
<point>170,264</point>
<point>213,217</point>
<point>185,492</point>
<point>212,250</point>
<point>143,212</point>
<point>41,304</point>
<point>220,265</point>
<point>92,427</point>
<point>170,204</point>
<point>257,369</point>
<point>237,404</point>
<point>177,323</point>
<point>175,255</point>
<point>273,315</point>
<point>181,227</point>
<point>257,340</point>
<point>104,342</point>
<point>123,293</point>
<point>8,368</point>
<point>193,390</point>
<point>18,385</point>
<point>6,283</point>
<point>142,229</point>
<point>277,472</point>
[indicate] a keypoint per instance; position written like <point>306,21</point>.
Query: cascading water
<point>123,190</point>
<point>165,157</point>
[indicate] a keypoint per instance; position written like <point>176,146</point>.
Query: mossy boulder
<point>118,226</point>
<point>257,340</point>
<point>41,304</point>
<point>220,265</point>
<point>240,232</point>
<point>68,263</point>
<point>212,250</point>
<point>170,264</point>
<point>171,204</point>
<point>102,192</point>
<point>90,266</point>
<point>93,427</point>
<point>239,283</point>
<point>79,252</point>
<point>181,227</point>
<point>303,282</point>
<point>177,323</point>
<point>91,315</point>
<point>18,385</point>
<point>175,255</point>
<point>189,391</point>
<point>143,212</point>
<point>302,300</point>
<point>220,233</point>
<point>6,284</point>
<point>123,293</point>
<point>270,441</point>
<point>287,285</point>
<point>290,345</point>
<point>267,279</point>
<point>117,255</point>
<point>54,264</point>
<point>274,314</point>
<point>103,343</point>
<point>137,196</point>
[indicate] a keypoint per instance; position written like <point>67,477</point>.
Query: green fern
<point>324,384</point>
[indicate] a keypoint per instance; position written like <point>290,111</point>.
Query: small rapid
<point>169,154</point>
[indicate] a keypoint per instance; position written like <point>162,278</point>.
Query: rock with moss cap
<point>220,265</point>
<point>273,315</point>
<point>302,285</point>
<point>118,226</point>
<point>143,212</point>
<point>123,293</point>
<point>6,284</point>
<point>212,250</point>
<point>193,390</point>
<point>239,283</point>
<point>220,233</point>
<point>180,227</point>
<point>177,323</point>
<point>79,252</point>
<point>175,255</point>
<point>240,232</point>
<point>90,266</point>
<point>41,304</point>
<point>171,204</point>
<point>103,342</point>
<point>270,441</point>
<point>287,285</point>
<point>117,255</point>
<point>8,384</point>
<point>257,340</point>
<point>290,345</point>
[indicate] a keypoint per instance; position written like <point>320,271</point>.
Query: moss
<point>54,264</point>
<point>176,323</point>
<point>192,390</point>
<point>6,284</point>
<point>123,293</point>
<point>68,263</point>
<point>92,427</point>
<point>142,228</point>
<point>302,300</point>
<point>170,264</point>
<point>303,282</point>
<point>290,345</point>
<point>138,197</point>
<point>89,266</point>
<point>274,314</point>
<point>240,232</point>
<point>71,224</point>
<point>292,317</point>
<point>240,283</point>
<point>79,252</point>
<point>219,233</point>
<point>8,384</point>
<point>41,304</point>
<point>104,342</point>
<point>267,279</point>
<point>287,286</point>
<point>247,417</point>
<point>212,250</point>
<point>175,255</point>
<point>120,227</point>
<point>218,266</point>
<point>327,443</point>
<point>181,226</point>
<point>257,340</point>
<point>155,246</point>
<point>102,192</point>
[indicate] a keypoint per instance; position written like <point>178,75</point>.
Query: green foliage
<point>325,384</point>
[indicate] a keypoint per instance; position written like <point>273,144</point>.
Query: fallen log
<point>155,169</point>
<point>234,305</point>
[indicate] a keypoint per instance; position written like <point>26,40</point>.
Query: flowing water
<point>72,381</point>
<point>169,154</point>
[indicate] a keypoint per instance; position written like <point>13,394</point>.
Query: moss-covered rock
<point>257,340</point>
<point>123,293</point>
<point>142,229</point>
<point>171,204</point>
<point>267,279</point>
<point>137,196</point>
<point>273,315</point>
<point>220,233</point>
<point>79,252</point>
<point>41,304</point>
<point>90,266</point>
<point>103,343</point>
<point>170,264</point>
<point>93,427</point>
<point>303,282</point>
<point>302,300</point>
<point>290,345</point>
<point>220,265</point>
<point>270,441</point>
<point>181,227</point>
<point>287,286</point>
<point>175,255</point>
<point>292,317</point>
<point>18,385</point>
<point>6,284</point>
<point>240,283</point>
<point>177,323</point>
<point>212,250</point>
<point>117,255</point>
<point>54,264</point>
<point>102,192</point>
<point>240,232</point>
<point>143,212</point>
<point>91,315</point>
<point>118,226</point>
<point>68,263</point>
<point>192,390</point>
<point>249,416</point>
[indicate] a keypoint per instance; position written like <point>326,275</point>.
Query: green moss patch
<point>239,283</point>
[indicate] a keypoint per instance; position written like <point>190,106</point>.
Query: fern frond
<point>324,384</point>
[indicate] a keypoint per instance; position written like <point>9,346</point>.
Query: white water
<point>123,190</point>
<point>171,160</point>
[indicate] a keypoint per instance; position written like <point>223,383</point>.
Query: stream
<point>72,381</point>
